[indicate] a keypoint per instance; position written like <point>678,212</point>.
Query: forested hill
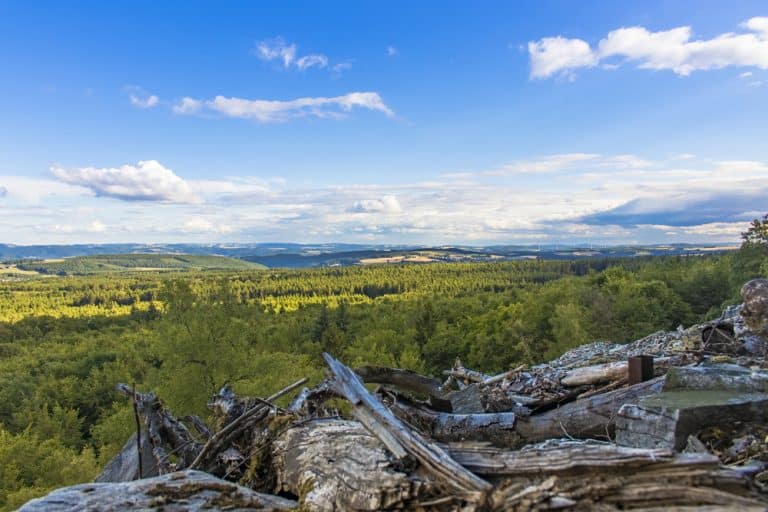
<point>290,255</point>
<point>83,265</point>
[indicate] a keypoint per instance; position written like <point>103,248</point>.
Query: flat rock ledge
<point>173,492</point>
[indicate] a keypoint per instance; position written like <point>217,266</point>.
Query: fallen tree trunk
<point>580,475</point>
<point>400,441</point>
<point>333,464</point>
<point>595,374</point>
<point>495,428</point>
<point>174,492</point>
<point>592,417</point>
<point>406,380</point>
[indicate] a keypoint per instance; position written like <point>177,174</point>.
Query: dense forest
<point>83,265</point>
<point>66,341</point>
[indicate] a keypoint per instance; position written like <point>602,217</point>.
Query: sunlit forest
<point>66,341</point>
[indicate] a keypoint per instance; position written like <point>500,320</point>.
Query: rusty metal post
<point>640,369</point>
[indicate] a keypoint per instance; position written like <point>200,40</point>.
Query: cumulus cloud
<point>187,105</point>
<point>555,54</point>
<point>387,204</point>
<point>148,180</point>
<point>671,49</point>
<point>267,111</point>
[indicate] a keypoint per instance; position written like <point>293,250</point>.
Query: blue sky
<point>481,122</point>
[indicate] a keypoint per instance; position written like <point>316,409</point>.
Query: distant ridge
<point>293,255</point>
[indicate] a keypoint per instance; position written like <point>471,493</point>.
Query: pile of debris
<point>676,419</point>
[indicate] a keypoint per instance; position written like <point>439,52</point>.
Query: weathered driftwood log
<point>164,431</point>
<point>558,457</point>
<point>173,492</point>
<point>666,420</point>
<point>406,380</point>
<point>333,464</point>
<point>399,439</point>
<point>722,377</point>
<point>592,417</point>
<point>495,428</point>
<point>577,475</point>
<point>233,429</point>
<point>595,374</point>
<point>124,467</point>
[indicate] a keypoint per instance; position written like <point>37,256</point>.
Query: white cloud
<point>387,204</point>
<point>341,66</point>
<point>148,180</point>
<point>276,48</point>
<point>202,225</point>
<point>308,61</point>
<point>141,99</point>
<point>266,111</point>
<point>96,227</point>
<point>663,50</point>
<point>548,198</point>
<point>745,74</point>
<point>391,51</point>
<point>555,54</point>
<point>546,164</point>
<point>187,105</point>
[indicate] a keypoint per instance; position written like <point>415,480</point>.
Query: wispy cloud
<point>663,50</point>
<point>140,98</point>
<point>269,111</point>
<point>287,54</point>
<point>148,180</point>
<point>391,51</point>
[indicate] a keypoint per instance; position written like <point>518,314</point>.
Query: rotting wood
<point>398,438</point>
<point>174,492</point>
<point>163,430</point>
<point>592,417</point>
<point>404,379</point>
<point>495,428</point>
<point>231,429</point>
<point>333,464</point>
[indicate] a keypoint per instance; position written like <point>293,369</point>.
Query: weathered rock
<point>755,310</point>
<point>173,492</point>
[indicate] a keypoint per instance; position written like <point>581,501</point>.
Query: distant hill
<point>292,255</point>
<point>80,265</point>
